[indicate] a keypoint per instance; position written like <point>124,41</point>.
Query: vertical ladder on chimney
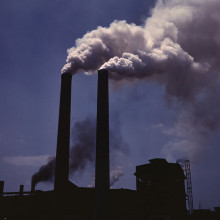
<point>185,164</point>
<point>189,186</point>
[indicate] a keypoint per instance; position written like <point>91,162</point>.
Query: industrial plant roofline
<point>157,166</point>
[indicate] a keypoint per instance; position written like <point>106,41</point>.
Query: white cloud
<point>27,160</point>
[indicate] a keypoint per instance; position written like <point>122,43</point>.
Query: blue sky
<point>34,38</point>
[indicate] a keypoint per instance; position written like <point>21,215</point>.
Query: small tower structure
<point>185,164</point>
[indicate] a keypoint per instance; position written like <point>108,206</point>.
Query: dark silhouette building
<point>160,195</point>
<point>162,184</point>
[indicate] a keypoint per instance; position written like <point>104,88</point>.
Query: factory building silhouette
<point>160,186</point>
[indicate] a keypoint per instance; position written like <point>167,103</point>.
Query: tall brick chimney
<point>102,148</point>
<point>63,137</point>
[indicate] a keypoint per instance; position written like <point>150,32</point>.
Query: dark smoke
<point>83,150</point>
<point>45,173</point>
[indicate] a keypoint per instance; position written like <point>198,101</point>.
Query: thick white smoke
<point>178,46</point>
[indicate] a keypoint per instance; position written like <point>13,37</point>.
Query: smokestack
<point>63,137</point>
<point>102,148</point>
<point>21,190</point>
<point>1,188</point>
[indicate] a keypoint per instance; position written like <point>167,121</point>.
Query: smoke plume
<point>45,173</point>
<point>82,152</point>
<point>178,46</point>
<point>114,176</point>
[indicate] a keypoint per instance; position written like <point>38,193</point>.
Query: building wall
<point>162,184</point>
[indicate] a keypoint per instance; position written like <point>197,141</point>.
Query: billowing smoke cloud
<point>82,152</point>
<point>178,46</point>
<point>114,176</point>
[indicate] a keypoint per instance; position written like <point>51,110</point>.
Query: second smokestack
<point>102,148</point>
<point>63,137</point>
